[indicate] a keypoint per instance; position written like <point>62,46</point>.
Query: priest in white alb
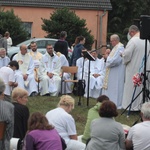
<point>114,74</point>
<point>96,76</point>
<point>49,73</point>
<point>25,74</point>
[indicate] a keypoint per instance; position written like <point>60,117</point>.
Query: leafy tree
<point>66,20</point>
<point>125,13</point>
<point>10,22</point>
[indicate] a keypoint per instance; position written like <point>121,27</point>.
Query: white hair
<point>146,110</point>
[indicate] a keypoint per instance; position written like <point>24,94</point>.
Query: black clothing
<point>62,47</point>
<point>21,115</point>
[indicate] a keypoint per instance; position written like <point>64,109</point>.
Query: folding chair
<point>2,132</point>
<point>72,70</point>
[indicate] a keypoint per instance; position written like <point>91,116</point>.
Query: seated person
<point>93,113</point>
<point>8,76</point>
<point>41,135</point>
<point>6,115</point>
<point>21,112</point>
<point>4,60</point>
<point>25,74</point>
<point>49,73</point>
<point>96,76</point>
<point>36,56</point>
<point>139,135</point>
<point>106,133</point>
<point>64,123</point>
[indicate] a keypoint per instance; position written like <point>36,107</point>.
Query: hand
<point>25,76</point>
<point>15,84</point>
<point>96,75</point>
<point>50,74</point>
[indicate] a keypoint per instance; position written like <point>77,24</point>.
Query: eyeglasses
<point>49,48</point>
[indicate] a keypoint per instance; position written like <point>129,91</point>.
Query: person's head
<point>33,46</point>
<point>2,52</point>
<point>66,102</point>
<point>94,53</point>
<point>102,98</point>
<point>13,65</point>
<point>106,53</point>
<point>2,89</point>
<point>50,49</point>
<point>38,121</point>
<point>133,29</point>
<point>145,111</point>
<point>20,95</point>
<point>81,39</point>
<point>108,109</point>
<point>114,39</point>
<point>63,34</point>
<point>7,34</point>
<point>23,49</point>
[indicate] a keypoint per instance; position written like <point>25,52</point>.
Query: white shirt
<point>139,134</point>
<point>63,122</point>
<point>7,75</point>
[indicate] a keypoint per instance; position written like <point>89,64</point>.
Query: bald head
<point>23,49</point>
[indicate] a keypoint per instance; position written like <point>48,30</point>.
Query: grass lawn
<point>44,104</point>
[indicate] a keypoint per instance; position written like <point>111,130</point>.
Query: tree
<point>66,20</point>
<point>10,22</point>
<point>123,14</point>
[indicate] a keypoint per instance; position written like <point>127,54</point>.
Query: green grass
<point>44,104</point>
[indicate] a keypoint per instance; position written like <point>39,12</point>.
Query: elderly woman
<point>41,135</point>
<point>6,115</point>
<point>64,123</point>
<point>21,112</point>
<point>106,133</point>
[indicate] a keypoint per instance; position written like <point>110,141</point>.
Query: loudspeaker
<point>145,27</point>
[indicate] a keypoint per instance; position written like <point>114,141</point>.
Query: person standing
<point>132,58</point>
<point>139,135</point>
<point>8,38</point>
<point>62,45</point>
<point>114,73</point>
<point>25,74</point>
<point>77,52</point>
<point>3,42</point>
<point>6,115</point>
<point>49,73</point>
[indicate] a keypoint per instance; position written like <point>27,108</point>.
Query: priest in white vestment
<point>49,73</point>
<point>114,74</point>
<point>132,58</point>
<point>36,56</point>
<point>4,60</point>
<point>66,76</point>
<point>96,76</point>
<point>25,74</point>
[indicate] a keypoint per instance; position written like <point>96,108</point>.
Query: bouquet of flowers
<point>137,79</point>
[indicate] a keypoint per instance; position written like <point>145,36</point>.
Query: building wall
<point>92,17</point>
